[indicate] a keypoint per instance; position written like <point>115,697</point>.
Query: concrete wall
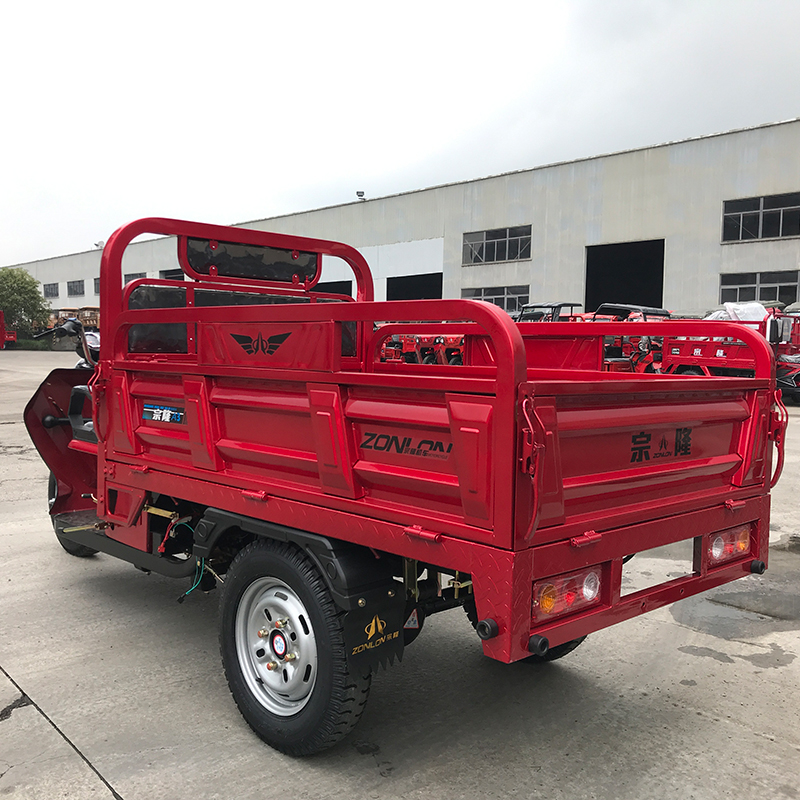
<point>673,192</point>
<point>76,267</point>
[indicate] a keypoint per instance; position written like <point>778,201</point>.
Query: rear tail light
<point>728,545</point>
<point>564,594</point>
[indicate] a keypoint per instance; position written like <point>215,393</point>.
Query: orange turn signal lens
<point>548,596</point>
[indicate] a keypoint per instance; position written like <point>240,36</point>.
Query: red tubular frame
<point>111,261</point>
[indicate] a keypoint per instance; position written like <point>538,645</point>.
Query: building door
<point>631,272</point>
<point>415,287</point>
<point>335,287</point>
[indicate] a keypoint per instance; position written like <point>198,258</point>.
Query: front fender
<point>75,470</point>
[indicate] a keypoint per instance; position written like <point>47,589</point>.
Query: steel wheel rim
<point>271,608</point>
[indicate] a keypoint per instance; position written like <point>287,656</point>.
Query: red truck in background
<point>423,348</point>
<point>705,355</point>
<point>242,430</point>
<point>7,338</point>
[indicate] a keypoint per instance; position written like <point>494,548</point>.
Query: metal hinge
<point>733,505</point>
<point>249,494</point>
<point>420,533</point>
<point>590,537</point>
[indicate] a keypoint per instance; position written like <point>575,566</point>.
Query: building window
<point>509,298</point>
<point>764,287</point>
<point>75,288</point>
<point>500,244</point>
<point>171,274</point>
<point>50,289</point>
<point>97,285</point>
<point>134,276</point>
<point>772,217</point>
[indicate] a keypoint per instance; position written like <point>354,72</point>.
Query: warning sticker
<point>412,623</point>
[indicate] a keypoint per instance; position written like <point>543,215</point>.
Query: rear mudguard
<point>360,581</point>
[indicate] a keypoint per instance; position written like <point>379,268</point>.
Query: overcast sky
<point>236,111</point>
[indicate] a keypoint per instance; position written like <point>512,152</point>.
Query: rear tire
<point>299,706</point>
<point>553,654</point>
<point>74,549</point>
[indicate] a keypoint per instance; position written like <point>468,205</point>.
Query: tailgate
<point>620,447</point>
<point>628,448</point>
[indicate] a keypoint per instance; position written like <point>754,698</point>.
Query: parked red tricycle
<point>242,429</point>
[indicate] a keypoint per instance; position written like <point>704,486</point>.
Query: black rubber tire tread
<point>338,698</point>
<point>74,549</point>
<point>553,654</point>
<point>690,371</point>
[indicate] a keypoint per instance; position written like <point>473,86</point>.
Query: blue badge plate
<point>171,414</point>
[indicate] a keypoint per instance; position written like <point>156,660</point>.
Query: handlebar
<point>72,327</point>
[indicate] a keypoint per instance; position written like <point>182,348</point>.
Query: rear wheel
<point>283,650</point>
<point>60,522</point>
<point>553,654</point>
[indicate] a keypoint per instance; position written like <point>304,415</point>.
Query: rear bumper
<point>509,602</point>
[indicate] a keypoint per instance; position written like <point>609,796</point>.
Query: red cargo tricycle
<point>242,430</point>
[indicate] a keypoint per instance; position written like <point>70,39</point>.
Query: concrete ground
<point>111,689</point>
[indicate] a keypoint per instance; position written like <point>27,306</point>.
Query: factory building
<point>683,225</point>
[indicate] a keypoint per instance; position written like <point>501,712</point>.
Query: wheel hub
<point>279,645</point>
<point>276,646</point>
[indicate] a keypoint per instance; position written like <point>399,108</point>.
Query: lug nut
<point>263,633</point>
<point>281,623</point>
<point>290,657</point>
<point>272,665</point>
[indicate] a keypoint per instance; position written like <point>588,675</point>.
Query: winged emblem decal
<point>269,345</point>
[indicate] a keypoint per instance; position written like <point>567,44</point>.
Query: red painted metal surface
<point>7,337</point>
<point>74,466</point>
<point>530,459</point>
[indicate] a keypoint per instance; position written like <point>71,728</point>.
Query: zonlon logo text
<point>376,625</point>
<point>428,448</point>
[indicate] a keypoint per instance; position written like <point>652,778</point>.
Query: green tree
<point>21,301</point>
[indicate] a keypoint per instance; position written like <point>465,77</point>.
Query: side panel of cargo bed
<point>429,456</point>
<point>430,447</point>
